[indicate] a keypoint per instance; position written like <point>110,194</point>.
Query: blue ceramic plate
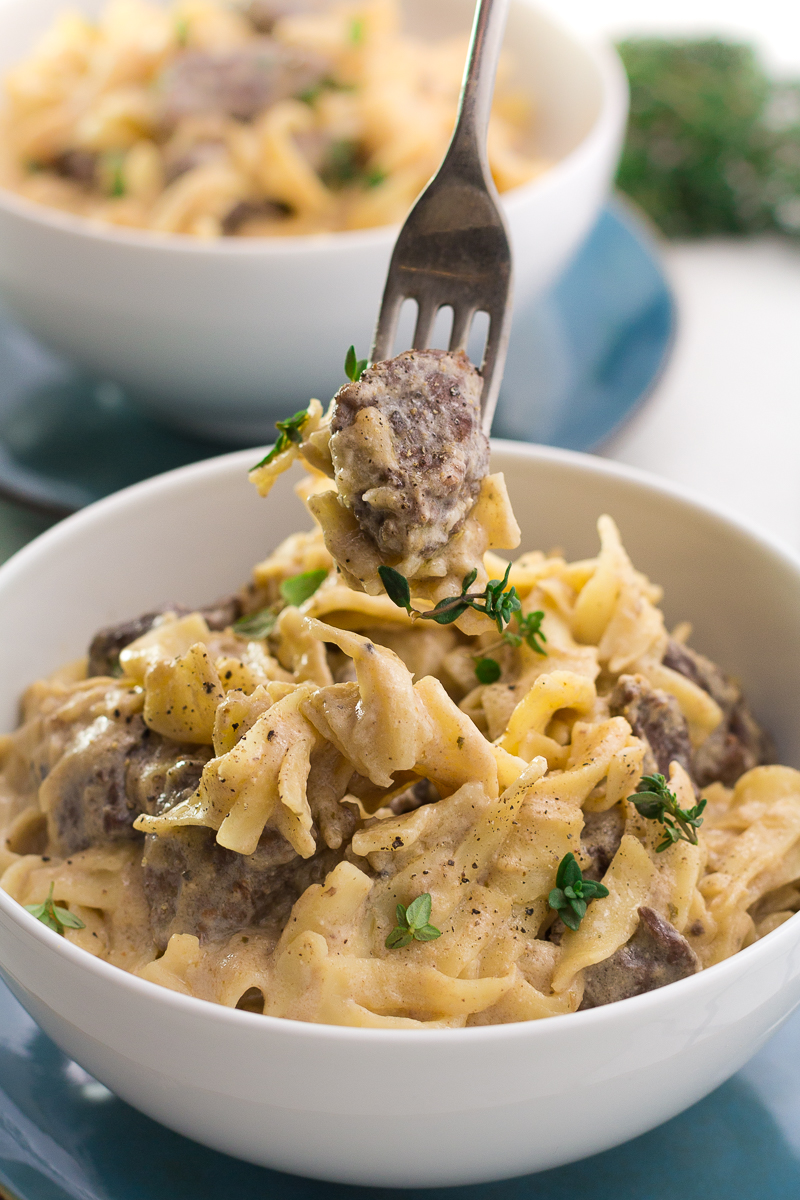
<point>63,1135</point>
<point>580,359</point>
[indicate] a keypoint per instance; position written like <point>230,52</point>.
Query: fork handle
<point>477,88</point>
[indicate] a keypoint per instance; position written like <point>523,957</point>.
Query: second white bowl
<point>222,338</point>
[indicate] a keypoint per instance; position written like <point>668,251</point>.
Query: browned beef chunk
<point>221,613</point>
<point>264,13</point>
<point>600,838</point>
<point>655,956</point>
<point>738,744</point>
<point>429,402</point>
<point>414,797</point>
<point>193,885</point>
<point>656,718</point>
<point>105,647</point>
<point>79,165</point>
<point>107,643</point>
<point>328,781</point>
<point>110,773</point>
<point>237,83</point>
<point>199,155</point>
<point>248,210</point>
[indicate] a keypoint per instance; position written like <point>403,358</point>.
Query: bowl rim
<point>609,119</point>
<point>720,974</point>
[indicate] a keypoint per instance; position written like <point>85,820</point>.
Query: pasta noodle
<point>237,816</point>
<point>210,119</point>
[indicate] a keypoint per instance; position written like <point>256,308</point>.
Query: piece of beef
<point>264,13</point>
<point>79,165</point>
<point>656,718</point>
<point>655,956</point>
<point>418,795</point>
<point>738,743</point>
<point>600,838</point>
<point>199,155</point>
<point>107,643</point>
<point>328,782</point>
<point>410,493</point>
<point>239,82</point>
<point>112,771</point>
<point>221,613</point>
<point>249,210</point>
<point>194,885</point>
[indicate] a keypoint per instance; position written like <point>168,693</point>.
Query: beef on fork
<point>408,449</point>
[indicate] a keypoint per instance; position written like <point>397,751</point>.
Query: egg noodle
<point>207,119</point>
<point>309,735</point>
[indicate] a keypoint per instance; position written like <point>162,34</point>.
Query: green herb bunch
<point>572,893</point>
<point>294,591</point>
<point>713,145</point>
<point>413,924</point>
<point>53,916</point>
<point>656,802</point>
<point>494,601</point>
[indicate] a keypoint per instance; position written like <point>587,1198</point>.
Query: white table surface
<point>725,417</point>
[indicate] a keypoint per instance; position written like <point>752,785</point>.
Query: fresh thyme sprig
<point>53,916</point>
<point>530,632</point>
<point>294,591</point>
<point>289,431</point>
<point>354,367</point>
<point>656,802</point>
<point>487,669</point>
<point>572,892</point>
<point>413,924</point>
<point>494,601</point>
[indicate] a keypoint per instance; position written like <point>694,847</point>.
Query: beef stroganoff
<point>364,795</point>
<point>259,118</point>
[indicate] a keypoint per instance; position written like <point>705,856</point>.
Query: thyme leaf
<point>357,31</point>
<point>495,602</point>
<point>487,670</point>
<point>413,924</point>
<point>354,367</point>
<point>299,588</point>
<point>114,164</point>
<point>294,591</point>
<point>530,632</point>
<point>53,916</point>
<point>257,625</point>
<point>396,587</point>
<point>289,431</point>
<point>654,801</point>
<point>572,893</point>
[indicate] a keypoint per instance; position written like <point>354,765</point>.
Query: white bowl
<point>396,1107</point>
<point>224,337</point>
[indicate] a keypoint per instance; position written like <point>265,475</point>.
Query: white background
<point>725,419</point>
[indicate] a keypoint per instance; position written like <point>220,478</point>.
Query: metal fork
<point>453,249</point>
